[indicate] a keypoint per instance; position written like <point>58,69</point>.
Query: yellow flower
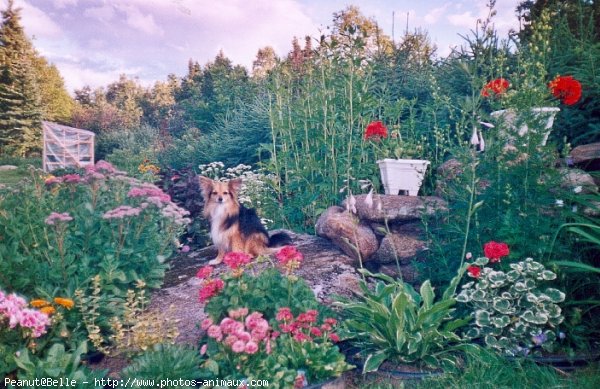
<point>64,302</point>
<point>39,303</point>
<point>48,310</point>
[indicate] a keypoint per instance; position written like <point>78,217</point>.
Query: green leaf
<point>427,294</point>
<point>555,295</point>
<point>539,318</point>
<point>375,360</point>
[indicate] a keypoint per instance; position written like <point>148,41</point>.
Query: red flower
<point>474,271</point>
<point>210,289</point>
<point>284,314</point>
<point>566,88</point>
<point>290,257</point>
<point>235,259</point>
<point>376,130</point>
<point>334,338</point>
<point>497,87</point>
<point>204,272</point>
<point>494,251</point>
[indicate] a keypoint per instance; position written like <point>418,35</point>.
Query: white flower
<point>578,189</point>
<point>559,203</point>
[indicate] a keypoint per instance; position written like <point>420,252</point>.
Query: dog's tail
<point>279,239</point>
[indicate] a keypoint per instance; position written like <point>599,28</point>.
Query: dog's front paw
<point>215,261</point>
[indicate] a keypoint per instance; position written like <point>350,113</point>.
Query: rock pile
<point>384,231</point>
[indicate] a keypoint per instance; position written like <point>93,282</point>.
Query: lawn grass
<point>10,177</point>
<point>487,371</point>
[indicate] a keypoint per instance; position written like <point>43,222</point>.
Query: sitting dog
<point>234,227</point>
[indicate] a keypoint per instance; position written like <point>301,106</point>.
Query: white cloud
<point>37,23</point>
<point>435,14</point>
<point>104,13</point>
<point>140,21</point>
<point>64,3</point>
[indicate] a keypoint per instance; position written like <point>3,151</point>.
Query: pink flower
<point>206,323</point>
<point>121,211</point>
<point>235,259</point>
<point>238,313</point>
<point>254,319</point>
<point>72,178</point>
<point>301,337</point>
<point>58,217</point>
<point>314,331</point>
<point>230,340</point>
<point>185,248</point>
<point>238,347</point>
<point>284,314</point>
<point>251,347</point>
<point>214,332</point>
<point>334,338</point>
<point>105,166</point>
<point>331,321</point>
<point>203,349</point>
<point>309,316</point>
<point>243,336</point>
<point>204,272</point>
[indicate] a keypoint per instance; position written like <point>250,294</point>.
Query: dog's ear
<point>235,186</point>
<point>206,185</point>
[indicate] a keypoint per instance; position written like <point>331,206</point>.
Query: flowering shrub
<point>264,323</point>
<point>513,314</point>
<point>259,285</point>
<point>65,230</point>
<point>495,87</point>
<point>289,353</point>
<point>20,326</point>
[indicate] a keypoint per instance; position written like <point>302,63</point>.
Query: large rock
<point>394,209</point>
<point>578,181</point>
<point>404,243</point>
<point>353,236</point>
<point>587,156</point>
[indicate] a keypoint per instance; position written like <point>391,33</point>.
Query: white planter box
<point>402,175</point>
<point>510,116</point>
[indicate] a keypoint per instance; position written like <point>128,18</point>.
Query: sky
<point>93,42</point>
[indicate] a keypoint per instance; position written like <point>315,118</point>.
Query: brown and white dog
<point>234,227</point>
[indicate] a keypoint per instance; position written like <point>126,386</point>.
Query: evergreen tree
<point>20,113</point>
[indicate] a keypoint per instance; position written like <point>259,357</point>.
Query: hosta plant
<point>394,322</point>
<point>514,313</point>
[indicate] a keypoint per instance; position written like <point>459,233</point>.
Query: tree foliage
<point>20,99</point>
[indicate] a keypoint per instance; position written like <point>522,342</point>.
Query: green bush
<point>59,232</point>
<point>165,362</point>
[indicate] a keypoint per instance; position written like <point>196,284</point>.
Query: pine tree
<point>20,113</point>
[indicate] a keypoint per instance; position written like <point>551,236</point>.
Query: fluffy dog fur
<point>234,227</point>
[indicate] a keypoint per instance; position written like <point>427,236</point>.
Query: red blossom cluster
<point>210,286</point>
<point>566,88</point>
<point>376,130</point>
<point>289,257</point>
<point>304,327</point>
<point>494,251</point>
<point>495,87</point>
<point>235,260</point>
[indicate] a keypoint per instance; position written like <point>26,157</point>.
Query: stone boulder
<point>404,243</point>
<point>353,236</point>
<point>587,156</point>
<point>578,181</point>
<point>4,168</point>
<point>397,209</point>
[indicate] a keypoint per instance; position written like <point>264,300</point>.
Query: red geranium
<point>494,251</point>
<point>376,130</point>
<point>235,259</point>
<point>474,271</point>
<point>566,88</point>
<point>495,87</point>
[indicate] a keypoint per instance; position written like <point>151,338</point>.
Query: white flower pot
<point>510,117</point>
<point>402,175</point>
